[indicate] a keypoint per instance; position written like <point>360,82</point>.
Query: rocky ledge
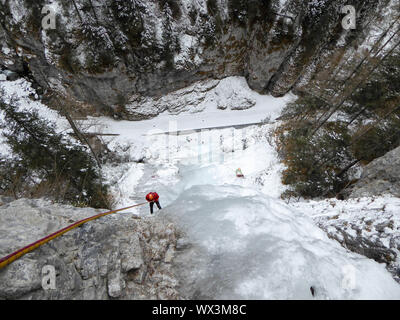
<point>381,176</point>
<point>369,226</point>
<point>120,256</point>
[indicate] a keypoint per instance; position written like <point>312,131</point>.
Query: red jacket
<point>155,197</point>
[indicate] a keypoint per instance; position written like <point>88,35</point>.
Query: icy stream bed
<point>241,241</point>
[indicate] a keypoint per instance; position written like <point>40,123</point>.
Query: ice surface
<point>255,247</point>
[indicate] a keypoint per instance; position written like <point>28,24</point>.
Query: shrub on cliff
<point>312,162</point>
<point>365,127</point>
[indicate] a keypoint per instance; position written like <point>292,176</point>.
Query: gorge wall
<point>112,55</point>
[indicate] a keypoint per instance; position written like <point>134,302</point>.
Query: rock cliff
<point>380,177</point>
<point>116,257</point>
<point>111,54</point>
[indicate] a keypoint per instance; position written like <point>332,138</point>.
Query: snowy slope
<point>369,225</point>
<point>222,150</point>
<point>251,246</point>
<point>243,236</point>
<point>246,242</point>
<point>24,97</point>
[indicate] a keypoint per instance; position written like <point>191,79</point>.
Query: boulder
<point>380,177</point>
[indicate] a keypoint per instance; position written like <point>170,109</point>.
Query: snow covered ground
<point>25,97</point>
<point>186,112</point>
<point>247,243</point>
<point>246,234</point>
<point>172,163</point>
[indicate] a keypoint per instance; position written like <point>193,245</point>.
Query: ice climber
<point>152,198</point>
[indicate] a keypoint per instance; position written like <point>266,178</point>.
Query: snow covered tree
<point>43,159</point>
<point>170,42</point>
<point>128,14</point>
<point>238,10</point>
<point>174,7</point>
<point>369,129</point>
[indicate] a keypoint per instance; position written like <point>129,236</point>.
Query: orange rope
<point>29,248</point>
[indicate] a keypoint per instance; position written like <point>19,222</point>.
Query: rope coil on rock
<point>29,248</point>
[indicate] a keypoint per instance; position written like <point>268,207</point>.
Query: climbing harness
<point>29,248</point>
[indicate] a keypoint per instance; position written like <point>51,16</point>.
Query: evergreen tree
<point>42,157</point>
<point>169,41</point>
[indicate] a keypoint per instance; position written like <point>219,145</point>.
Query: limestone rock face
<point>380,177</point>
<point>230,93</point>
<point>115,55</point>
<point>115,257</point>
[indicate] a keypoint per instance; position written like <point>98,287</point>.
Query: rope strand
<point>29,248</point>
